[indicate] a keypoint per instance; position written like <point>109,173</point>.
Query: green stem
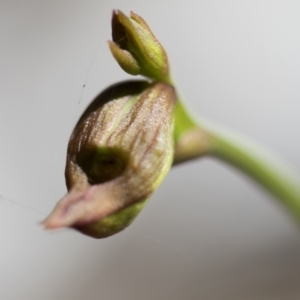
<point>192,141</point>
<point>272,175</point>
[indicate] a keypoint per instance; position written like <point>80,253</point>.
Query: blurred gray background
<point>208,232</point>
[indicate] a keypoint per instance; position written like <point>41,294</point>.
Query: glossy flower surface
<point>119,152</point>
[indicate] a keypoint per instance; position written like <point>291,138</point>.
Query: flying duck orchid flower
<point>118,154</point>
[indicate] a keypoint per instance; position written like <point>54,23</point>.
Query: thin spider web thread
<point>11,201</point>
<point>21,205</point>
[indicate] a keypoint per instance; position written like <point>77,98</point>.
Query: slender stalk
<point>193,141</point>
<point>275,177</point>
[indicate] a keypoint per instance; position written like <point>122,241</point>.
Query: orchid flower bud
<point>119,152</point>
<point>136,49</point>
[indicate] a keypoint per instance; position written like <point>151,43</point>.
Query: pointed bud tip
<point>50,223</point>
<point>139,49</point>
<point>120,16</point>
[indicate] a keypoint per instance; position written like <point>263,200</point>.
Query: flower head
<point>136,49</point>
<point>118,154</point>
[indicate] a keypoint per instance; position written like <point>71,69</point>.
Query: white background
<point>208,232</point>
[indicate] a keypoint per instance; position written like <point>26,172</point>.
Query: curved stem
<point>275,177</point>
<point>192,141</point>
